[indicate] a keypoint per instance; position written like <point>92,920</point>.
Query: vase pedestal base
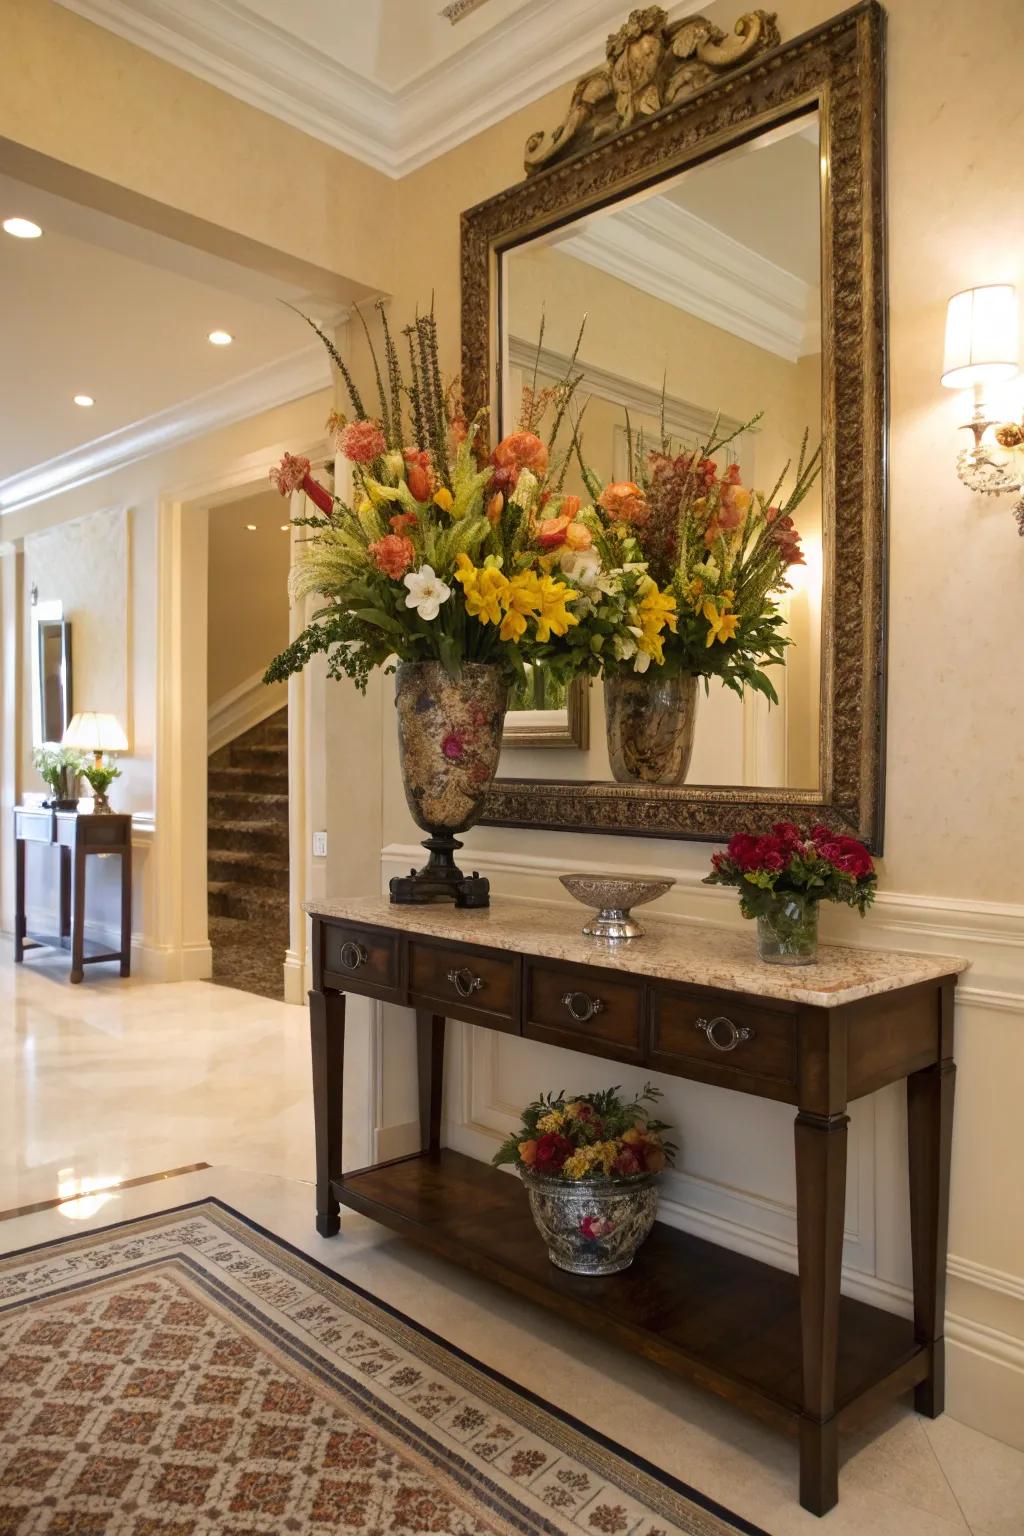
<point>440,879</point>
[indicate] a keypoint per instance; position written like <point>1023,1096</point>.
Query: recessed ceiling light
<point>285,527</point>
<point>221,338</point>
<point>251,527</point>
<point>85,400</point>
<point>22,229</point>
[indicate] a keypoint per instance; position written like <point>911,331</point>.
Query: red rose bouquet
<point>591,1136</point>
<point>783,875</point>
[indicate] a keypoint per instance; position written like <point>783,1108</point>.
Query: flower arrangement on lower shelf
<point>784,874</point>
<point>590,1165</point>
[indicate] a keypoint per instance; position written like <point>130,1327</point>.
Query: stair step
<point>247,868</point>
<point>248,780</point>
<point>248,836</point>
<point>273,758</point>
<point>230,898</point>
<point>236,805</point>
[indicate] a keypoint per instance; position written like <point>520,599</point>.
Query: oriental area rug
<point>189,1373</point>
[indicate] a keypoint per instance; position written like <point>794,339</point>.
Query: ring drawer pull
<point>353,956</point>
<point>464,982</point>
<point>582,1006</point>
<point>722,1033</point>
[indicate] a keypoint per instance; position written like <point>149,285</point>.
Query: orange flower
<point>570,506</point>
<point>392,555</point>
<point>578,536</point>
<point>417,473</point>
<point>528,1152</point>
<point>494,508</point>
<point>521,450</point>
<point>551,533</point>
<point>403,520</point>
<point>625,502</point>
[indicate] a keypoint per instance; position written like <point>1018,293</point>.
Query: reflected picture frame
<point>836,69</point>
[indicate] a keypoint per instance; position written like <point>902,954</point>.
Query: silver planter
<point>649,721</point>
<point>595,1226</point>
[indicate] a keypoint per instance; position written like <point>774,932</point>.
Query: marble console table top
<point>672,949</point>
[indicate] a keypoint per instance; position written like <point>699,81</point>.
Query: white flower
<point>641,662</point>
<point>581,565</point>
<point>624,647</point>
<point>426,592</point>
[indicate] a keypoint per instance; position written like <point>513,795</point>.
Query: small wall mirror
<point>51,668</point>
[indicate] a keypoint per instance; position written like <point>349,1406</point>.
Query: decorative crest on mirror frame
<point>651,63</point>
<point>838,69</point>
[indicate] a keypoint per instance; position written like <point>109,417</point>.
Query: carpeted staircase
<point>247,858</point>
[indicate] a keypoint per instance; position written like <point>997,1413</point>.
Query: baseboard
<point>295,988</point>
<point>985,1380</point>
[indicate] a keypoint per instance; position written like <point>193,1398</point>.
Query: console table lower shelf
<point>714,1316</point>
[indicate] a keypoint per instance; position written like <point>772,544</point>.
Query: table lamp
<point>97,733</point>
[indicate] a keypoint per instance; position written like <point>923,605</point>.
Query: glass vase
<point>649,720</point>
<point>787,934</point>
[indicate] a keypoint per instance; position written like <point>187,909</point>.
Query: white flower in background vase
<point>426,592</point>
<point>581,565</point>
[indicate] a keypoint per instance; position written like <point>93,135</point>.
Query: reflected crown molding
<point>395,127</point>
<point>301,373</point>
<point>668,252</point>
<point>682,418</point>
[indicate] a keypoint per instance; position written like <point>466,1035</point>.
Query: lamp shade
<point>92,732</point>
<point>981,336</point>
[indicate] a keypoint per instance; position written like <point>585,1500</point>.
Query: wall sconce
<point>981,348</point>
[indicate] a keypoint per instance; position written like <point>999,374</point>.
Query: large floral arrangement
<point>591,1136</point>
<point>443,552</point>
<point>821,866</point>
<point>696,559</point>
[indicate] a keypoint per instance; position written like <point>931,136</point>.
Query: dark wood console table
<point>76,836</point>
<point>696,1003</point>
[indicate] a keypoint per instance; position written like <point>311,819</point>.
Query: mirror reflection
<point>702,302</point>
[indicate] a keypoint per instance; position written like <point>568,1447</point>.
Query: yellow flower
<point>487,597</point>
<point>554,617</point>
<point>521,601</point>
<point>657,609</point>
<point>444,499</point>
<point>552,1121</point>
<point>722,626</point>
<point>577,1165</point>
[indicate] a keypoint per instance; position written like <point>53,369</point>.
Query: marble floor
<point>113,1081</point>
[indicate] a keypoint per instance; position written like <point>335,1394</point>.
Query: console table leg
<point>19,899</point>
<point>78,910</point>
<point>820,1207</point>
<point>430,1057</point>
<point>126,906</point>
<point>327,1038</point>
<point>930,1137</point>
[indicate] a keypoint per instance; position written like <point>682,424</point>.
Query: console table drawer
<point>722,1033</point>
<point>584,1011</point>
<point>367,957</point>
<point>472,982</point>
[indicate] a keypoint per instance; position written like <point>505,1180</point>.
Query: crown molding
<point>394,128</point>
<point>666,251</point>
<point>300,373</point>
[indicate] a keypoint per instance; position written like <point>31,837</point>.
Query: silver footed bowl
<point>614,896</point>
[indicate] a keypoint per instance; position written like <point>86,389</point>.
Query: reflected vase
<point>787,933</point>
<point>449,742</point>
<point>650,721</point>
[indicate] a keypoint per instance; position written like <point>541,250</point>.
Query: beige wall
<point>247,585</point>
<point>953,872</point>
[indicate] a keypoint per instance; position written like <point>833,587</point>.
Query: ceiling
<point>98,307</point>
<point>393,82</point>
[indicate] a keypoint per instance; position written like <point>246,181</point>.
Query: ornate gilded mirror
<point>713,206</point>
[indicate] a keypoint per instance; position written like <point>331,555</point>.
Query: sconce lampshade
<point>92,732</point>
<point>981,336</point>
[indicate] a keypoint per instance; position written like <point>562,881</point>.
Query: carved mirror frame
<point>838,69</point>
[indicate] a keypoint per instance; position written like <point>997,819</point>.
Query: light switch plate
<point>319,845</point>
